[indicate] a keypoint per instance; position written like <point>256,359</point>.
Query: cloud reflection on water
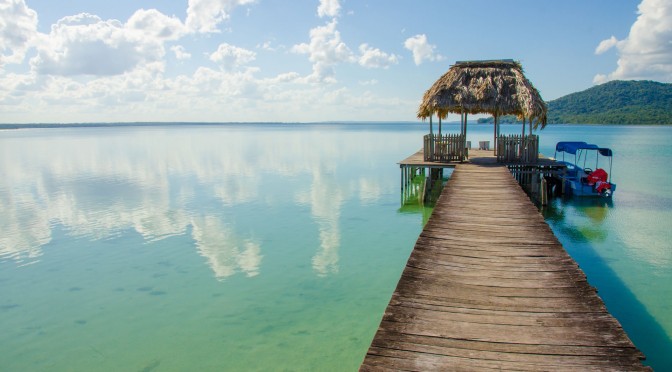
<point>98,183</point>
<point>325,199</point>
<point>225,252</point>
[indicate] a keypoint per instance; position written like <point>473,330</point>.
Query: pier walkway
<point>488,286</point>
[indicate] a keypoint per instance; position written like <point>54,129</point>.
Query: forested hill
<point>615,102</point>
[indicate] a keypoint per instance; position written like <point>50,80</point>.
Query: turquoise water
<point>267,247</point>
<point>625,246</point>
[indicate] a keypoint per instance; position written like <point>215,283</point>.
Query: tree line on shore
<point>614,102</point>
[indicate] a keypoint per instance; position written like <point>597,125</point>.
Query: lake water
<point>268,247</point>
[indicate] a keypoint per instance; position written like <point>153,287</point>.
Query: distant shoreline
<point>176,124</point>
<point>169,124</point>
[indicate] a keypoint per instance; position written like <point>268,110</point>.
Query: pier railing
<point>518,149</point>
<point>445,148</point>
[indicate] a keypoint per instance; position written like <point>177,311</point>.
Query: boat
<point>581,180</point>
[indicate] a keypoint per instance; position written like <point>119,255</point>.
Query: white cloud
<point>646,54</point>
<point>84,44</point>
<point>180,52</point>
<point>375,58</point>
<point>606,45</point>
<point>285,78</point>
<point>421,49</point>
<point>325,50</point>
<point>208,85</point>
<point>230,57</point>
<point>268,45</point>
<point>18,26</point>
<point>368,82</point>
<point>155,24</point>
<point>329,8</point>
<point>205,15</point>
<point>89,69</point>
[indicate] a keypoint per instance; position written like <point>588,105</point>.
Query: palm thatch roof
<point>496,87</point>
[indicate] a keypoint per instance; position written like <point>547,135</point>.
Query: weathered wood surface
<point>489,287</point>
<point>476,156</point>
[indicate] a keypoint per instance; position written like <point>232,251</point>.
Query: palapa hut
<point>496,87</point>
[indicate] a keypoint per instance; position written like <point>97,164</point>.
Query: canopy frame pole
<point>461,146</point>
<point>465,126</point>
<point>431,136</point>
<point>466,151</point>
<point>522,140</point>
<point>494,146</point>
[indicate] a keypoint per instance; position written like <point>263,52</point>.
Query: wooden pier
<point>488,286</point>
<point>532,176</point>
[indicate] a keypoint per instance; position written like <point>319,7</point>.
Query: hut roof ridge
<point>487,62</point>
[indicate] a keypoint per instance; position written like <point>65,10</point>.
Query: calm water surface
<point>625,247</point>
<point>267,247</point>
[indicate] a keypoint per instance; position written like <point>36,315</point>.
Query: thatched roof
<point>496,87</point>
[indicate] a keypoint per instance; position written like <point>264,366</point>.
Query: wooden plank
<point>471,249</point>
<point>510,303</point>
<point>487,305</point>
<point>479,276</point>
<point>538,356</point>
<point>425,361</point>
<point>423,269</point>
<point>489,286</point>
<point>429,304</point>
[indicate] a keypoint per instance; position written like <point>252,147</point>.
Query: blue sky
<point>303,60</point>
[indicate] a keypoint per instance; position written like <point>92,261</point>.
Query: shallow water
<point>267,247</point>
<point>624,246</point>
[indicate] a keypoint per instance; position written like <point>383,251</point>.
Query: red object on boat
<point>602,186</point>
<point>598,175</point>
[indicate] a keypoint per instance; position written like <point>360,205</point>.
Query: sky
<point>81,61</point>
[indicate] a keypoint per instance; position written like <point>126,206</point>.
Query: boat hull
<point>579,189</point>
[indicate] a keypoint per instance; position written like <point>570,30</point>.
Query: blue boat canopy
<point>573,147</point>
<point>605,151</point>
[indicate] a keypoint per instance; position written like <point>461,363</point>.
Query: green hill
<point>615,102</point>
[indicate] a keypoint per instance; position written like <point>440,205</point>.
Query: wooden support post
<point>534,187</point>
<point>564,176</point>
<point>544,191</point>
<point>431,127</point>
<point>466,151</point>
<point>465,125</point>
<point>522,141</point>
<point>494,135</point>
